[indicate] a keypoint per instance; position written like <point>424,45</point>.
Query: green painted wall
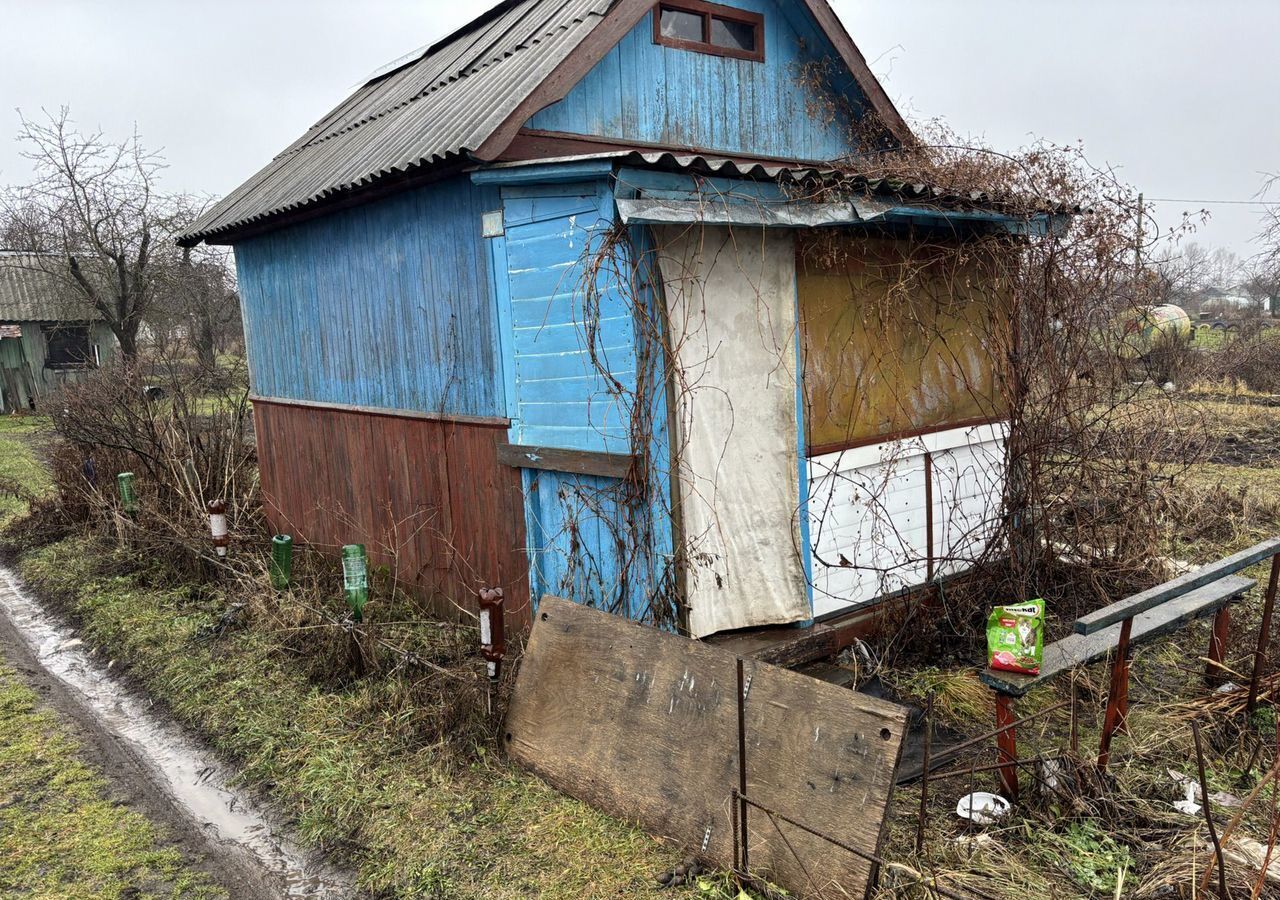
<point>23,376</point>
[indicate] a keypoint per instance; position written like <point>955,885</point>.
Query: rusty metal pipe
<point>742,765</point>
<point>1264,635</point>
<point>1214,669</point>
<point>1116,696</point>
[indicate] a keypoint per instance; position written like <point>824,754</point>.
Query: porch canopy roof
<point>665,188</point>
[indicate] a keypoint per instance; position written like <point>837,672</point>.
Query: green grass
<point>1206,338</point>
<point>61,835</point>
<point>412,821</point>
<point>19,464</point>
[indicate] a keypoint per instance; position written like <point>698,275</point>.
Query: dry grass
<point>1053,848</point>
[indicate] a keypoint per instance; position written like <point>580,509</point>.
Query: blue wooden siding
<point>643,91</point>
<point>571,368</point>
<point>386,304</point>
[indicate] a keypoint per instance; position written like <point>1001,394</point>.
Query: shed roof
<point>30,293</point>
<point>464,97</point>
<point>432,109</point>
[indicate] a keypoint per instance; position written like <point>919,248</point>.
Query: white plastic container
<point>982,808</point>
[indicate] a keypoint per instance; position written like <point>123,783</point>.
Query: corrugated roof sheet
<point>905,190</point>
<point>437,107</point>
<point>29,293</point>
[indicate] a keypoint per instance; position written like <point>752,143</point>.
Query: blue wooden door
<point>570,370</point>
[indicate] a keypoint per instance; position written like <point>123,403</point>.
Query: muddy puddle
<point>195,781</point>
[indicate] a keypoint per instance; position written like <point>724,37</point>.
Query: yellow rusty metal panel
<point>899,336</point>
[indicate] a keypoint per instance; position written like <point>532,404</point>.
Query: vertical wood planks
<point>427,497</point>
<point>387,304</point>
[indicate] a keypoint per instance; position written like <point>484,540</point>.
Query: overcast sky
<point>1183,96</point>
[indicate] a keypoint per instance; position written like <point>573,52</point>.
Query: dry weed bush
<point>186,437</point>
<point>1251,361</point>
<point>186,434</point>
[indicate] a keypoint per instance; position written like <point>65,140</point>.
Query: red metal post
<point>1122,700</point>
<point>493,630</point>
<point>1117,697</point>
<point>1007,745</point>
<point>1213,671</point>
<point>744,856</point>
<point>1264,634</point>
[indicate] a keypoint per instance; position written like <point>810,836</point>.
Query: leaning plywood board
<point>644,725</point>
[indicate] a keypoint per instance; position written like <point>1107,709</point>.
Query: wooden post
<point>1117,696</point>
<point>1213,671</point>
<point>1007,744</point>
<point>1264,634</point>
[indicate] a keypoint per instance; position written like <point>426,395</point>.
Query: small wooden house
<point>47,337</point>
<point>540,308</point>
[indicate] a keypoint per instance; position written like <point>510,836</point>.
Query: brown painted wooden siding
<point>427,497</point>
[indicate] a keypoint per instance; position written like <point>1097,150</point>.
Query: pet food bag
<point>1015,637</point>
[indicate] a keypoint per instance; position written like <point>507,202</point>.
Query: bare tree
<point>94,219</point>
<point>1266,264</point>
<point>201,297</point>
<point>1261,287</point>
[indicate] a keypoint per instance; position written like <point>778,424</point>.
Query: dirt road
<point>153,766</point>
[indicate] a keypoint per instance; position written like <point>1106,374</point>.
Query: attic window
<point>709,28</point>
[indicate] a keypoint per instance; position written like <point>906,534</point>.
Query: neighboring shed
<point>566,331</point>
<point>48,337</point>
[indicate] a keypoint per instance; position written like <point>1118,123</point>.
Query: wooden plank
<point>1131,606</point>
<point>382,411</point>
<point>643,724</point>
<point>1080,649</point>
<point>574,462</point>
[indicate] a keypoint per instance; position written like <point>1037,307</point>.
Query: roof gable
<point>644,94</point>
<point>465,99</point>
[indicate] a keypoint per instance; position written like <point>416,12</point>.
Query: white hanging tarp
<point>731,305</point>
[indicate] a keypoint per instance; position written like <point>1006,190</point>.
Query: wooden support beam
<point>576,462</point>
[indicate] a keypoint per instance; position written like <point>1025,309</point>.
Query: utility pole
<point>1137,251</point>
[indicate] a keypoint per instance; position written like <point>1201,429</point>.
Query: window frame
<point>63,330</point>
<point>708,11</point>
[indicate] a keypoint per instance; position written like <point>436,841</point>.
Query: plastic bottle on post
<point>281,561</point>
<point>355,578</point>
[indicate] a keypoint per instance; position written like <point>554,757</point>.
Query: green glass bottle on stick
<point>128,497</point>
<point>281,561</point>
<point>355,578</point>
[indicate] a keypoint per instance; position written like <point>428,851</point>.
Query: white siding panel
<point>868,525</point>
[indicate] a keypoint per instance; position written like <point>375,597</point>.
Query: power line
<point>1217,202</point>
